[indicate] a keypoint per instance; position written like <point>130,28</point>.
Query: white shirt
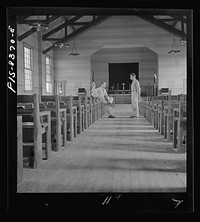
<point>135,86</point>
<point>101,93</point>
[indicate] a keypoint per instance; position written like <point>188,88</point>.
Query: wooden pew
<point>86,112</point>
<point>86,104</point>
<point>148,108</point>
<point>143,106</point>
<point>36,127</point>
<point>168,116</point>
<point>152,110</point>
<point>161,103</point>
<point>180,125</point>
<point>19,150</point>
<point>67,103</point>
<point>94,109</point>
<point>173,104</point>
<point>58,120</point>
<point>89,111</point>
<point>79,102</point>
<point>90,99</point>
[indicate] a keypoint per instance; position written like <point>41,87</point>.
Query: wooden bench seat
<point>36,128</point>
<point>180,126</point>
<point>168,114</point>
<point>72,116</point>
<point>58,121</point>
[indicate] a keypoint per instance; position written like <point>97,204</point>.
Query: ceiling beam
<point>66,27</point>
<point>31,21</point>
<point>167,19</point>
<point>77,32</point>
<point>179,18</point>
<point>51,19</point>
<point>58,28</point>
<point>165,26</point>
<point>80,23</point>
<point>54,39</point>
<point>28,21</point>
<point>83,28</point>
<point>26,34</point>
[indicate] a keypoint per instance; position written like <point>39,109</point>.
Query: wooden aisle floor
<point>112,155</point>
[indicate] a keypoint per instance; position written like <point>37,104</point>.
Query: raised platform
<point>121,98</point>
<point>119,91</point>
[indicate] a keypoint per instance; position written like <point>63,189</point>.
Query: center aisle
<point>113,155</point>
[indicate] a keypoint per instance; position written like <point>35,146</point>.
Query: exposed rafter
<point>165,26</point>
<point>58,28</point>
<point>77,32</point>
<point>52,18</point>
<point>173,21</point>
<point>24,20</point>
<point>26,34</point>
<point>48,20</point>
<point>179,18</point>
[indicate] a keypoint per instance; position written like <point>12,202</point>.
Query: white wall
<point>118,32</point>
<point>146,58</point>
<point>115,32</point>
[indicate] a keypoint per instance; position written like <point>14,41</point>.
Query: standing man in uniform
<point>102,95</point>
<point>135,95</point>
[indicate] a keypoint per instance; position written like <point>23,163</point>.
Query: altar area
<point>121,96</point>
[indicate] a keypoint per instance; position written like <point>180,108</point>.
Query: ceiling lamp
<point>74,52</point>
<point>183,41</point>
<point>38,24</point>
<point>61,45</point>
<point>174,49</point>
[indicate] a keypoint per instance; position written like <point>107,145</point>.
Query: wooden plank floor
<point>112,155</point>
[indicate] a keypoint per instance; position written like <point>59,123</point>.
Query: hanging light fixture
<point>61,45</point>
<point>38,24</point>
<point>183,41</point>
<point>74,52</point>
<point>174,49</point>
<point>61,35</point>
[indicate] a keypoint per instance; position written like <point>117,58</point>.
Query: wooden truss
<point>80,20</point>
<point>169,23</point>
<point>72,22</point>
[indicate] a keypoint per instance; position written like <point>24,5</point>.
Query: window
<point>48,64</point>
<point>28,68</point>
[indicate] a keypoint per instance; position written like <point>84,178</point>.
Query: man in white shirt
<point>135,95</point>
<point>102,95</point>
